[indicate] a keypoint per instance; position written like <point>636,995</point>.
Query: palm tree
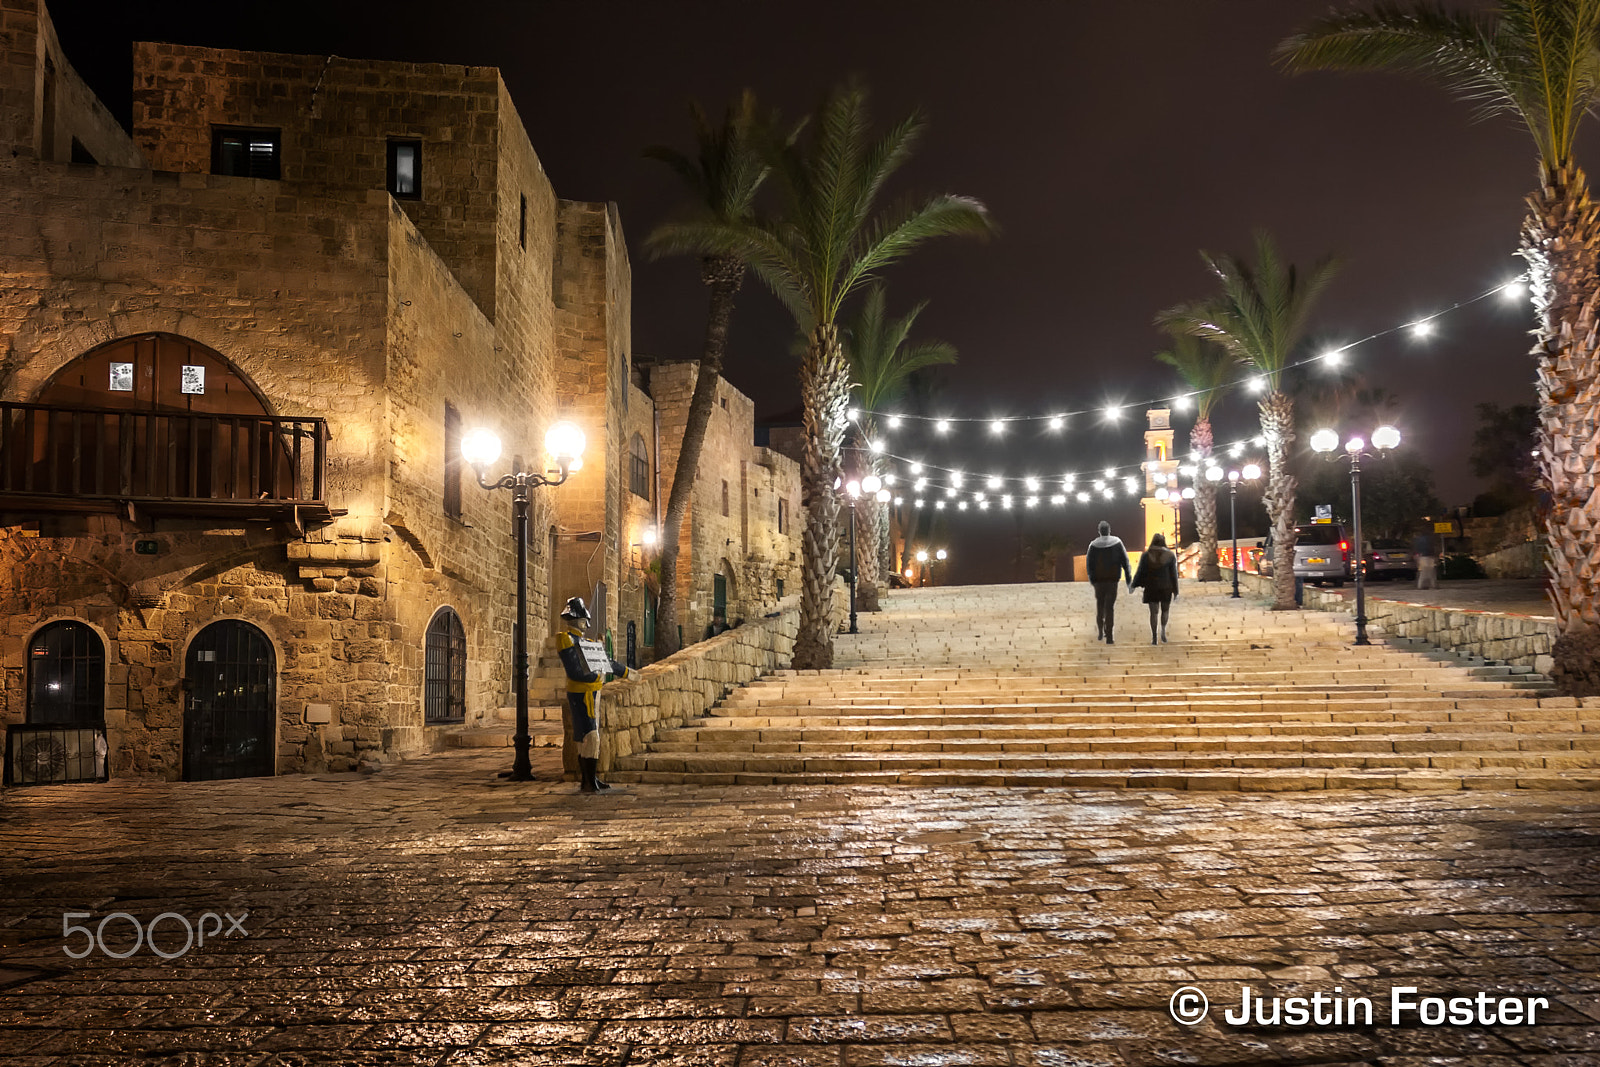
<point>829,239</point>
<point>723,178</point>
<point>881,364</point>
<point>1539,61</point>
<point>1206,369</point>
<point>1259,318</point>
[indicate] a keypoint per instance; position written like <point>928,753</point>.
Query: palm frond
<point>882,361</point>
<point>1204,367</point>
<point>1535,59</point>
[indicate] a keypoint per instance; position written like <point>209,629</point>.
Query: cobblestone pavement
<point>433,914</point>
<point>1522,596</point>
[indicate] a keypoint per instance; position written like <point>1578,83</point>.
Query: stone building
<point>238,350</point>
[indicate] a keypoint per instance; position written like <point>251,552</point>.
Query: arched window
<point>231,703</point>
<point>639,468</point>
<point>66,676</point>
<point>445,681</point>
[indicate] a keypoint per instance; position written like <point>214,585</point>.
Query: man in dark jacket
<point>1107,566</point>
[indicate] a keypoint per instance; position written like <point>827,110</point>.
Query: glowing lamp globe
<point>1385,437</point>
<point>480,448</point>
<point>649,536</point>
<point>1251,472</point>
<point>1214,474</point>
<point>1188,492</point>
<point>922,555</point>
<point>941,554</point>
<point>871,484</point>
<point>883,496</point>
<point>1161,493</point>
<point>853,487</point>
<point>564,443</point>
<point>1324,441</point>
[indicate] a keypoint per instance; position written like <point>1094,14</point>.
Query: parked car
<point>1389,557</point>
<point>1322,553</point>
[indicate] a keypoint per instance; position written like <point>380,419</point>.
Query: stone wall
<point>1517,639</point>
<point>689,683</point>
<point>336,117</point>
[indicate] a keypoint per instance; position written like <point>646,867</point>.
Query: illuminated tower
<point>1160,516</point>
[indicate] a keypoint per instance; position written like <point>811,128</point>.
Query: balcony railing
<point>174,463</point>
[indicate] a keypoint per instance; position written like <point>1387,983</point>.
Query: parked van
<point>1322,553</point>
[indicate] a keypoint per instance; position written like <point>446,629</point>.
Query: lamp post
<point>1383,439</point>
<point>563,443</point>
<point>1249,473</point>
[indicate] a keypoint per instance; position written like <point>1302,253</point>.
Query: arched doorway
<point>155,416</point>
<point>230,706</point>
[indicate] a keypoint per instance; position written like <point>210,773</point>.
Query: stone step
<point>541,735</point>
<point>1266,780</point>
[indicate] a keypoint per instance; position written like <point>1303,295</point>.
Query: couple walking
<point>1158,574</point>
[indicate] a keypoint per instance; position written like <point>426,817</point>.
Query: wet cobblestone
<point>436,915</point>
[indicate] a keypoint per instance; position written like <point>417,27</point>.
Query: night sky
<point>1110,142</point>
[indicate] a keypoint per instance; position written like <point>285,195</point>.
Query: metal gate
<point>230,679</point>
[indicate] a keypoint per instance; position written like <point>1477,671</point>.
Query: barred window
<point>445,682</point>
<point>639,468</point>
<point>66,675</point>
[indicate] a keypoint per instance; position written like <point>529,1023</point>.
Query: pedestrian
<point>1107,564</point>
<point>588,667</point>
<point>1422,546</point>
<point>1158,574</point>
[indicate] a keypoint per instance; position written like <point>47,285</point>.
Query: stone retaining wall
<point>685,685</point>
<point>1518,639</point>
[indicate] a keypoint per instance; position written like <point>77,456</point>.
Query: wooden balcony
<point>173,464</point>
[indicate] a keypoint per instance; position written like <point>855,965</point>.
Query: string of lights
<point>1420,328</point>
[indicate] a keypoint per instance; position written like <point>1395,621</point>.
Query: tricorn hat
<point>575,610</point>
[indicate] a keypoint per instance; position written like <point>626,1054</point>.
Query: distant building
<point>238,350</point>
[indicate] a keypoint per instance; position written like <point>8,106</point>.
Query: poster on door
<point>193,379</point>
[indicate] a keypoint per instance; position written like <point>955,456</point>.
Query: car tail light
<point>1344,550</point>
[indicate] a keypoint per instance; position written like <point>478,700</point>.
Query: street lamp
<point>1248,473</point>
<point>1384,438</point>
<point>871,485</point>
<point>563,445</point>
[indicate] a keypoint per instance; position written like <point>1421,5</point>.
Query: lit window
<point>405,169</point>
<point>246,153</point>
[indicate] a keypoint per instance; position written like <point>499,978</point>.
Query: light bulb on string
<point>893,422</point>
<point>1056,422</point>
<point>1180,403</point>
<point>997,427</point>
<point>1032,484</point>
<point>1083,498</point>
<point>955,478</point>
<point>942,426</point>
<point>1422,328</point>
<point>1113,413</point>
<point>1515,289</point>
<point>995,481</point>
<point>1333,357</point>
<point>915,468</point>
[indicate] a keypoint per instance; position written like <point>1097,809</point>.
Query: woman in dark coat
<point>1158,574</point>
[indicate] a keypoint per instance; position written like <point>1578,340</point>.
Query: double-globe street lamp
<point>1383,439</point>
<point>1248,473</point>
<point>563,444</point>
<point>871,486</point>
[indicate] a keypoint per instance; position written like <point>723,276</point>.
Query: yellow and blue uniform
<point>583,692</point>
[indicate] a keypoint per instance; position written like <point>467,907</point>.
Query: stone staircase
<point>1007,686</point>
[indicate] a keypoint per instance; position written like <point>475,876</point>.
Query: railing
<point>77,458</point>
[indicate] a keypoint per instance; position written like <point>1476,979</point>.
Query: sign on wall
<point>122,377</point>
<point>194,379</point>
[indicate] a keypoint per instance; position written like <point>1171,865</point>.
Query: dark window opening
<point>522,223</point>
<point>445,676</point>
<point>780,588</point>
<point>724,498</point>
<point>452,462</point>
<point>247,153</point>
<point>783,518</point>
<point>405,169</point>
<point>66,676</point>
<point>639,468</point>
<point>724,403</point>
<point>81,155</point>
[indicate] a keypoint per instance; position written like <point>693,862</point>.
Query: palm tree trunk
<point>870,578</point>
<point>1205,503</point>
<point>825,393</point>
<point>1561,242</point>
<point>723,276</point>
<point>1277,426</point>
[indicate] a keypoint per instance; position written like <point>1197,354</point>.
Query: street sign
<point>1444,527</point>
<point>1324,512</point>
